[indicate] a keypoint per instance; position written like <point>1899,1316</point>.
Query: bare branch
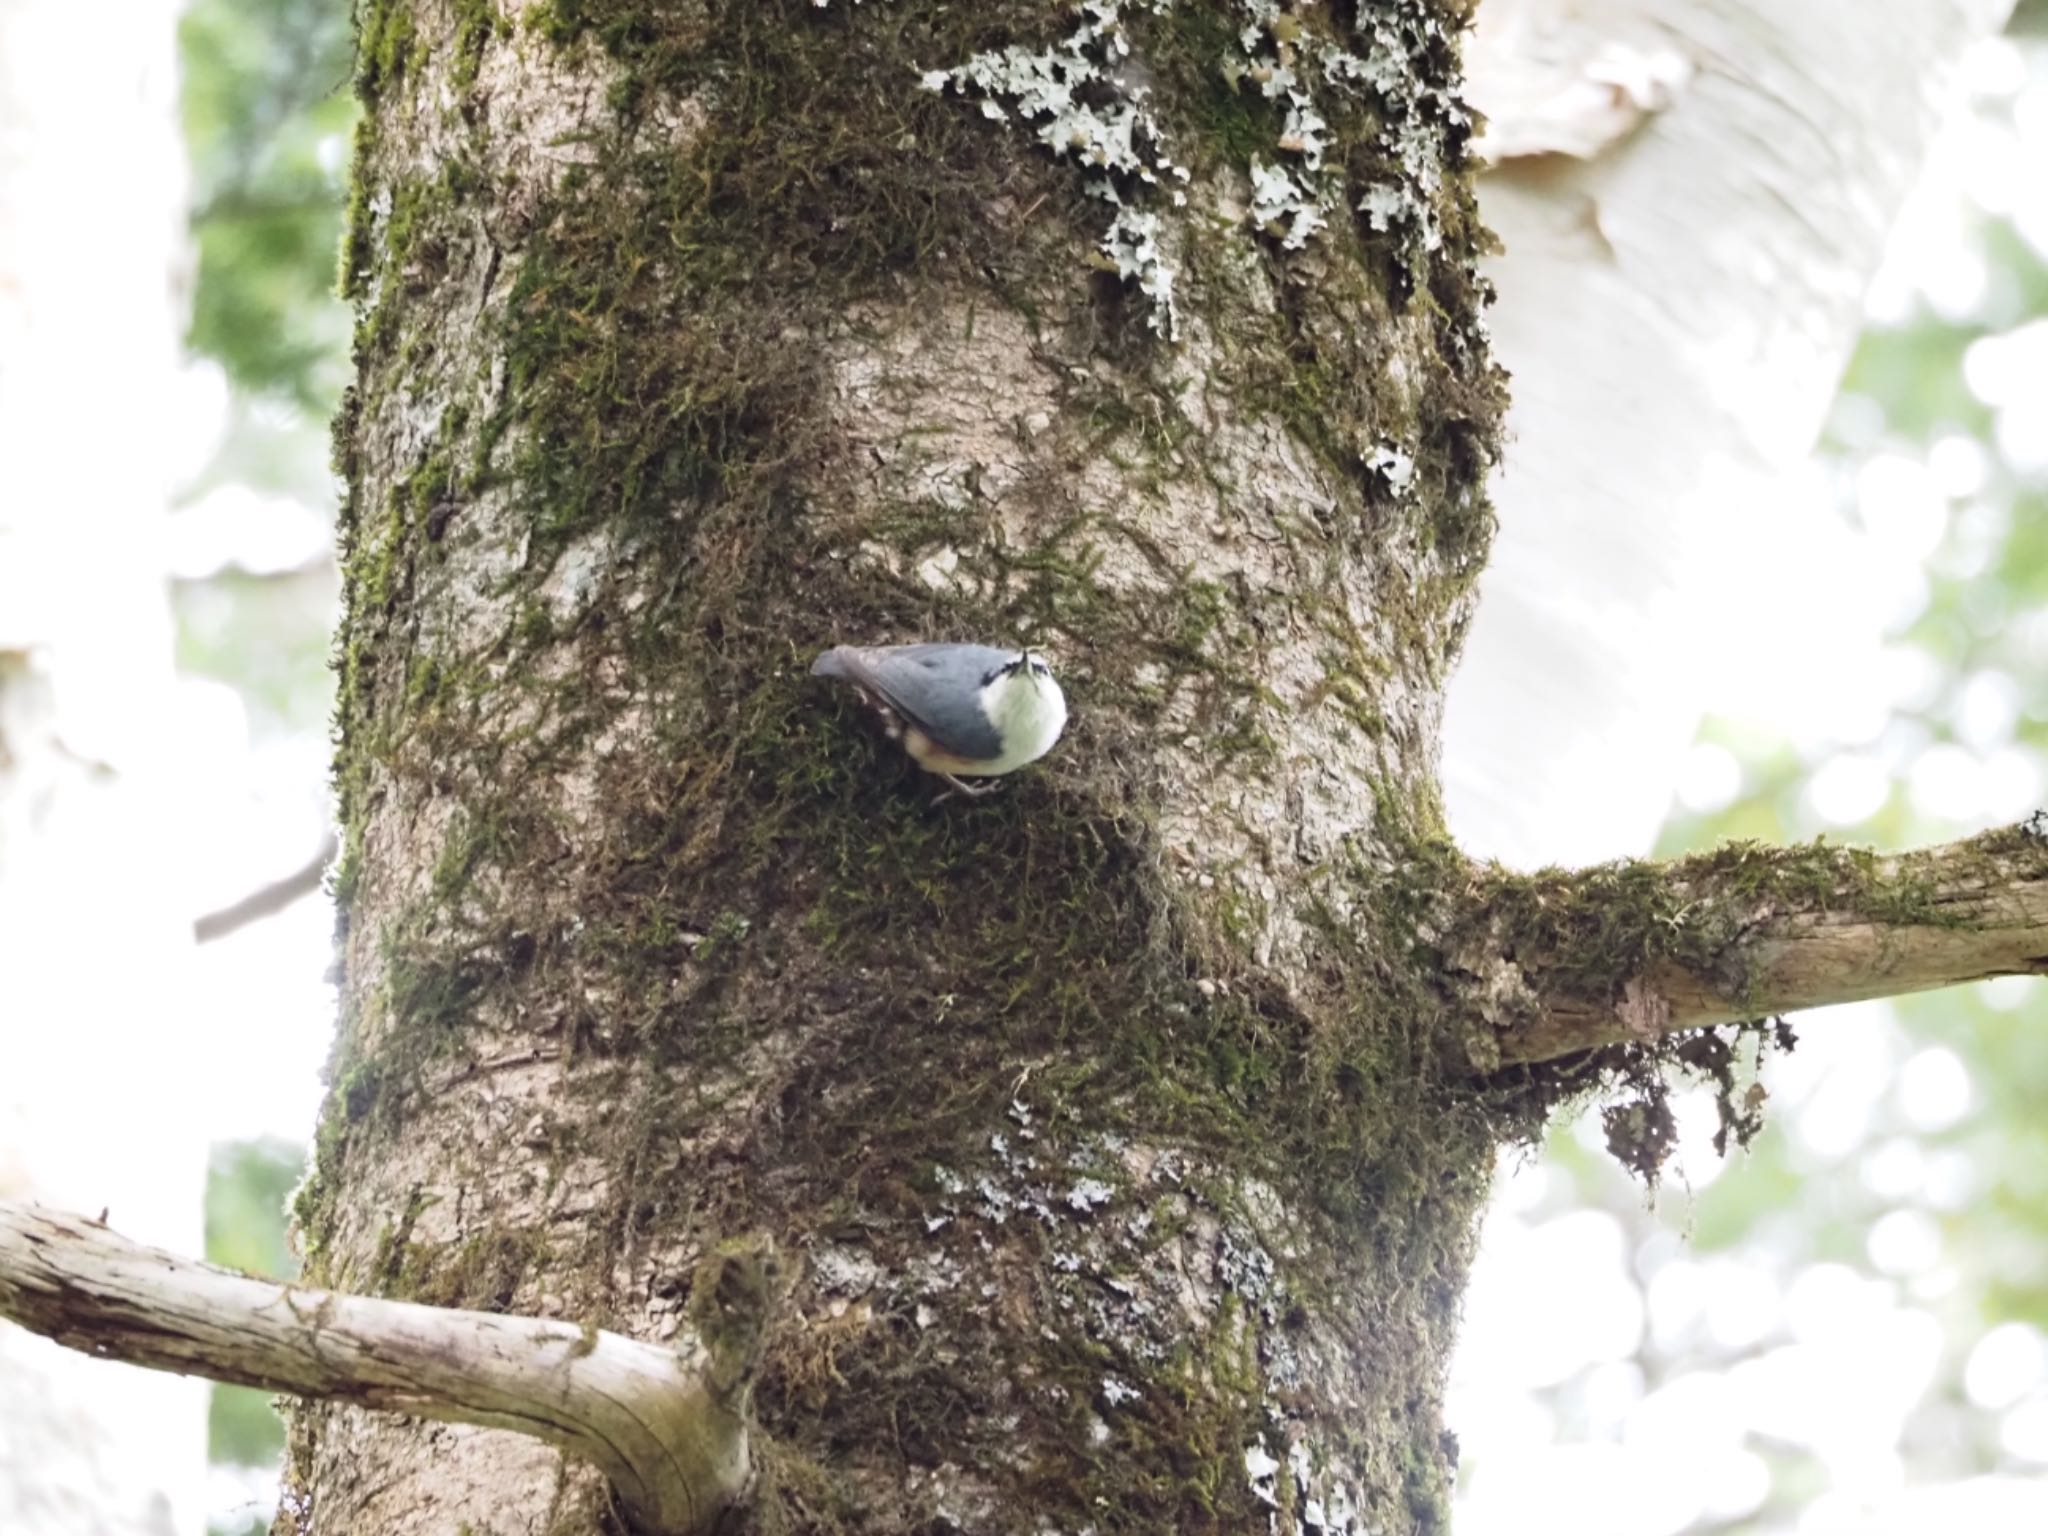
<point>667,1426</point>
<point>266,900</point>
<point>1565,961</point>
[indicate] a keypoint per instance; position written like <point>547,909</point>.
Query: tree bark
<point>1561,962</point>
<point>1127,1191</point>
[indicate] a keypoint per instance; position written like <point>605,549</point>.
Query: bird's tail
<point>829,664</point>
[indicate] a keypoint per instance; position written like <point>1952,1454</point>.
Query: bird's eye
<point>1040,668</point>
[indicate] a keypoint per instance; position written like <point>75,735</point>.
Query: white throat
<point>1028,712</point>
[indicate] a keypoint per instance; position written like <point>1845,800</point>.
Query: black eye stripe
<point>1013,668</point>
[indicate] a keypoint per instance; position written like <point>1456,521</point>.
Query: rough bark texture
<point>1568,961</point>
<point>1126,1187</point>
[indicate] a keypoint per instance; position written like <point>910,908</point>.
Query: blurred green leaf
<point>242,1428</point>
<point>247,1183</point>
<point>268,637</point>
<point>267,118</point>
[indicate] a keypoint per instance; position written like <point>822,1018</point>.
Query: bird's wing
<point>905,678</point>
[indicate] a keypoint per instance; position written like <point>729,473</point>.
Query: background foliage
<point>267,115</point>
<point>1846,1329</point>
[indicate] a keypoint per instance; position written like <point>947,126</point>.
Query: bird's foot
<point>971,791</point>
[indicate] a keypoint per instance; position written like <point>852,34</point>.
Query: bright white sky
<point>97,1026</point>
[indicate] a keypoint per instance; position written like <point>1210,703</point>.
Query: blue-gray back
<point>936,688</point>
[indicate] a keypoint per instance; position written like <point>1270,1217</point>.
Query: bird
<point>961,711</point>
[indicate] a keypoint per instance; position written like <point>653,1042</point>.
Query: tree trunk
<point>1102,1119</point>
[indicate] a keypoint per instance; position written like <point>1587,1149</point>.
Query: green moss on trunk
<point>788,994</point>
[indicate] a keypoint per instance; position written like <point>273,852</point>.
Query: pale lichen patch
<point>1284,59</point>
<point>1117,143</point>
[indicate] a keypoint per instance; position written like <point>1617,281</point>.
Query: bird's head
<point>1024,666</point>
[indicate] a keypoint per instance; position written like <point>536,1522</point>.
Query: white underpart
<point>1028,712</point>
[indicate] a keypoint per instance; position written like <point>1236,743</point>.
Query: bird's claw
<point>971,791</point>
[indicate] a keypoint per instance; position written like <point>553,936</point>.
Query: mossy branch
<point>1564,961</point>
<point>668,1426</point>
